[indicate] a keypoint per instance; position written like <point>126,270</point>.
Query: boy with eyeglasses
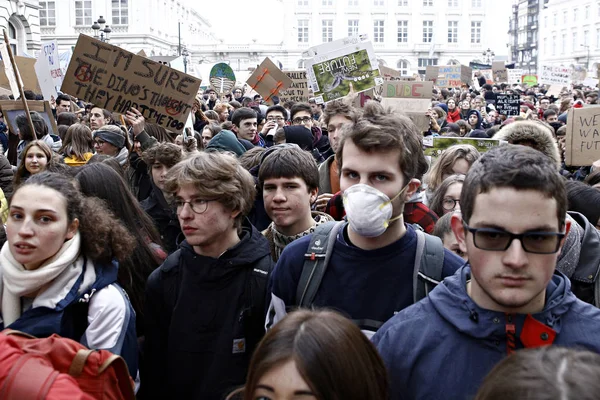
<point>301,115</point>
<point>506,298</point>
<point>276,117</point>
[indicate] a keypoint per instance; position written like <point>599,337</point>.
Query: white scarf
<point>54,276</point>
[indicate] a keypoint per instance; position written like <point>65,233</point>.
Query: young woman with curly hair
<point>59,268</point>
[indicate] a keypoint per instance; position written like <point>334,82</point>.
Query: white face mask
<point>369,211</point>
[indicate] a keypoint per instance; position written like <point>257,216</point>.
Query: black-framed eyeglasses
<point>279,119</point>
<point>449,203</point>
<point>199,206</point>
<point>500,240</point>
<point>303,120</point>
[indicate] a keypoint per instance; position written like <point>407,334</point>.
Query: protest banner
<point>45,80</point>
<point>499,72</point>
<point>117,80</point>
<point>389,73</point>
<point>268,80</point>
<point>590,82</point>
<point>298,90</point>
<point>11,78</point>
<point>435,146</point>
<point>222,78</point>
<point>413,108</point>
<point>583,136</point>
<point>514,76</point>
<point>466,74</point>
<point>11,109</point>
<point>48,71</point>
<point>449,76</point>
<point>372,94</point>
<point>529,80</point>
<point>508,104</point>
<point>336,65</point>
<point>555,90</point>
<point>432,72</point>
<point>407,89</point>
<point>550,75</point>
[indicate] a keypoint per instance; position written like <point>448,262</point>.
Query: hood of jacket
<point>226,141</point>
<point>479,119</point>
<point>300,136</point>
<point>580,258</point>
<point>453,304</point>
<point>531,133</point>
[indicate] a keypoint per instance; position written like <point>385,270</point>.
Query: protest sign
<point>550,75</point>
<point>222,78</point>
<point>45,80</point>
<point>499,72</point>
<point>268,80</point>
<point>529,80</point>
<point>8,71</point>
<point>389,73</point>
<point>142,53</point>
<point>466,74</point>
<point>407,89</point>
<point>27,73</point>
<point>514,76</point>
<point>508,104</point>
<point>415,109</point>
<point>117,80</point>
<point>451,76</point>
<point>49,52</point>
<point>332,68</point>
<point>554,90</point>
<point>590,82</point>
<point>372,94</point>
<point>435,146</point>
<point>298,90</point>
<point>583,136</point>
<point>11,109</point>
<point>432,72</point>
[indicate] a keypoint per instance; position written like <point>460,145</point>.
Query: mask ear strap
<point>402,191</point>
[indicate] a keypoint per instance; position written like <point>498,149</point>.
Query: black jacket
<point>200,328</point>
<point>6,176</point>
<point>164,217</point>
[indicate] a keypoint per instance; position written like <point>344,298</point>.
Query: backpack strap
<point>429,263</point>
<point>30,378</point>
<point>316,259</point>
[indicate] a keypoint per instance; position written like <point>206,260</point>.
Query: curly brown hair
<point>168,154</point>
<point>103,237</point>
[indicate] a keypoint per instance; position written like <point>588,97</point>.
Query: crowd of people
<point>279,251</point>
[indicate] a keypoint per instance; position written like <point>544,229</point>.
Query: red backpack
<point>56,367</point>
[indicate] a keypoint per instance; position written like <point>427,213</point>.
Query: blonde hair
<point>445,162</point>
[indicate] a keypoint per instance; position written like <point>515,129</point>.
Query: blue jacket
<point>70,317</point>
<point>443,346</point>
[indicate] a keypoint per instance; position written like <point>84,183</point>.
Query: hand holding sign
<point>136,120</point>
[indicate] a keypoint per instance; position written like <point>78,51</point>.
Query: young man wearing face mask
<point>369,275</point>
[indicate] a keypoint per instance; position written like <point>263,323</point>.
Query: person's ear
<point>72,229</point>
<point>314,193</point>
<point>567,229</point>
<point>413,185</point>
<point>459,231</point>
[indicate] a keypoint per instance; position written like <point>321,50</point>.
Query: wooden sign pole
<point>19,84</point>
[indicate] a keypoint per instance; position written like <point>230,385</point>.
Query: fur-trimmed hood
<point>534,132</point>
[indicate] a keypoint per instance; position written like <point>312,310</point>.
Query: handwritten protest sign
<point>48,71</point>
<point>435,146</point>
<point>116,79</point>
<point>407,89</point>
<point>12,109</point>
<point>508,104</point>
<point>451,76</point>
<point>550,75</point>
<point>27,73</point>
<point>499,71</point>
<point>298,90</point>
<point>389,73</point>
<point>336,65</point>
<point>514,76</point>
<point>432,72</point>
<point>529,80</point>
<point>583,136</point>
<point>268,80</point>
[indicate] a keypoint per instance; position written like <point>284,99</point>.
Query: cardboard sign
<point>514,76</point>
<point>336,65</point>
<point>117,80</point>
<point>222,78</point>
<point>389,73</point>
<point>499,71</point>
<point>435,146</point>
<point>583,136</point>
<point>451,76</point>
<point>554,90</point>
<point>508,104</point>
<point>9,73</point>
<point>406,89</point>
<point>298,90</point>
<point>268,80</point>
<point>142,53</point>
<point>555,75</point>
<point>413,108</point>
<point>49,53</point>
<point>529,80</point>
<point>590,82</point>
<point>27,73</point>
<point>45,80</point>
<point>371,94</point>
<point>432,72</point>
<point>12,109</point>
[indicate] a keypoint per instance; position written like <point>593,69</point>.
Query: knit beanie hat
<point>111,136</point>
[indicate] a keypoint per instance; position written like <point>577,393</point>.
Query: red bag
<point>32,368</point>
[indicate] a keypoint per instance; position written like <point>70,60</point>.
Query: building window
<point>575,41</point>
<point>119,12</point>
<point>586,38</point>
<point>83,12</point>
<point>575,12</point>
<point>427,3</point>
<point>545,46</point>
<point>452,31</point>
<point>327,3</point>
<point>353,27</point>
<point>378,3</point>
<point>425,62</point>
<point>353,3</point>
<point>587,12</point>
<point>303,31</point>
<point>563,44</point>
<point>598,38</point>
<point>302,3</point>
<point>327,30</point>
<point>475,31</point>
<point>378,29</point>
<point>402,67</point>
<point>47,13</point>
<point>565,13</point>
<point>404,3</point>
<point>302,64</point>
<point>427,31</point>
<point>475,3</point>
<point>452,3</point>
<point>12,38</point>
<point>546,21</point>
<point>402,31</point>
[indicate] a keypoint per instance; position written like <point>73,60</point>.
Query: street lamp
<point>185,53</point>
<point>488,56</point>
<point>587,65</point>
<point>97,29</point>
